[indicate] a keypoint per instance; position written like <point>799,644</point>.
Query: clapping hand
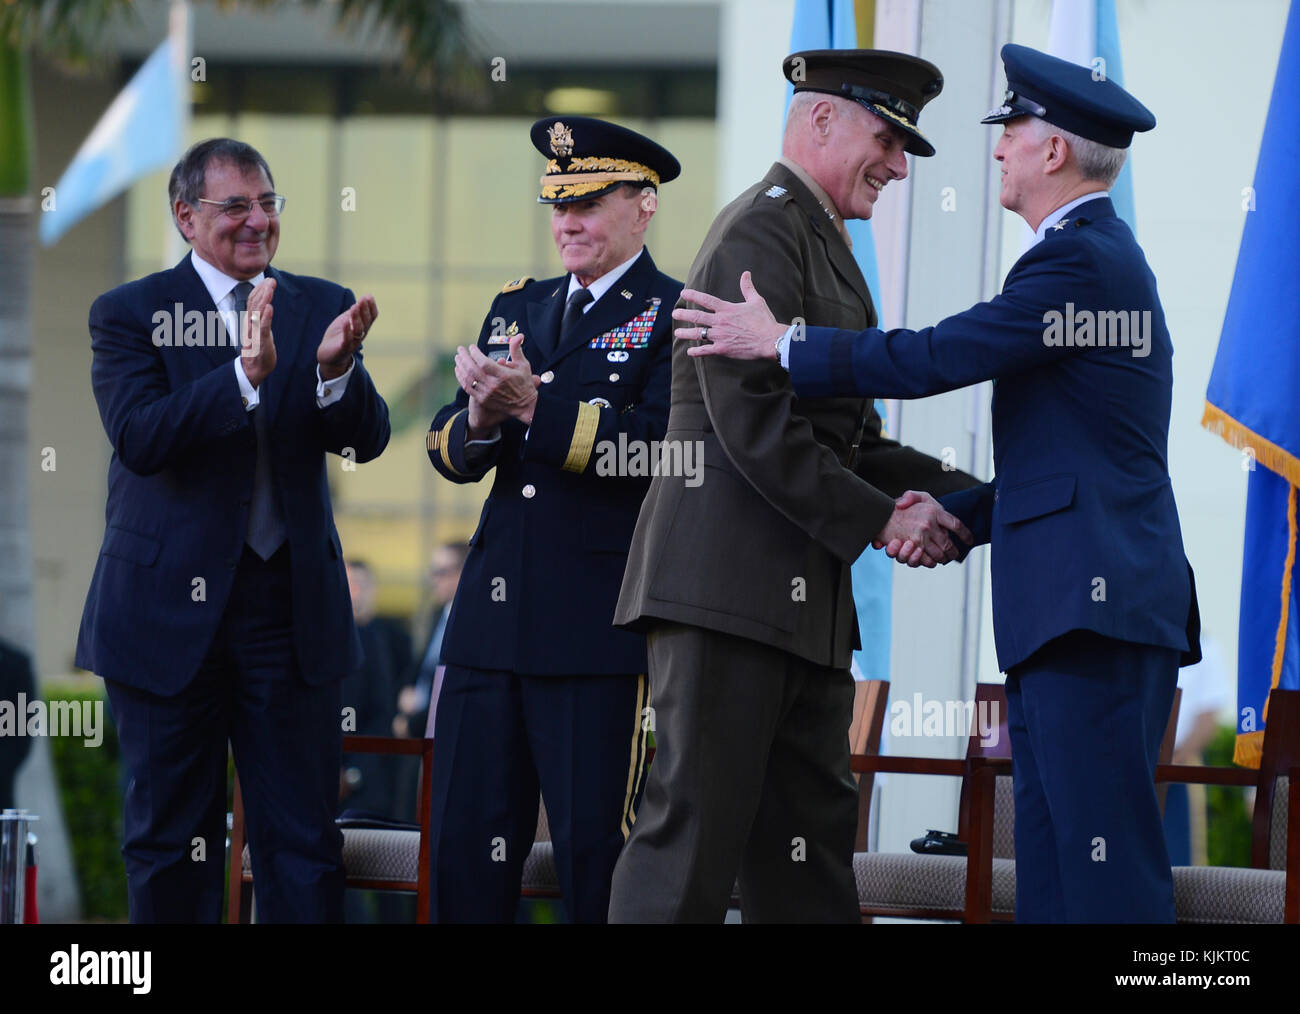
<point>344,337</point>
<point>497,390</point>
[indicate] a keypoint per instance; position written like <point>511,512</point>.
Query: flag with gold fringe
<point>1253,402</point>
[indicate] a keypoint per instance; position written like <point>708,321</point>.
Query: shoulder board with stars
<point>517,284</point>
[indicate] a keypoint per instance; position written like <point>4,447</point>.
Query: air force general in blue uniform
<point>540,687</point>
<point>1094,605</point>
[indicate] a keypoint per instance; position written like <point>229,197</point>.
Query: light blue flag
<point>1121,193</point>
<point>1252,401</point>
<point>831,24</point>
<point>140,132</point>
<point>1082,31</point>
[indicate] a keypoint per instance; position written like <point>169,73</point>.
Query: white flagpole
<point>180,34</point>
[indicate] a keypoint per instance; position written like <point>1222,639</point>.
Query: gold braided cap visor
<point>592,173</point>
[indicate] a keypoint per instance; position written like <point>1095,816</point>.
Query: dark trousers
<point>286,737</point>
<point>1086,715</point>
<point>501,737</point>
<point>750,777</point>
<point>1178,824</point>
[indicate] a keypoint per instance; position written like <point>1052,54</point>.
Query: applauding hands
<point>497,390</point>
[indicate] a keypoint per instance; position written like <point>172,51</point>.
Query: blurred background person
<point>368,780</point>
<point>419,695</point>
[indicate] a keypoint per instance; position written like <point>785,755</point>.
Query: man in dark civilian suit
<point>218,612</point>
<point>1094,605</point>
<point>540,688</point>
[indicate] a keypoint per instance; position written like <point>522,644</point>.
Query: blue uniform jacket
<point>1080,513</point>
<point>180,480</point>
<point>538,590</point>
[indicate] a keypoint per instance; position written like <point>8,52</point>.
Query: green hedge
<point>1227,822</point>
<point>90,790</point>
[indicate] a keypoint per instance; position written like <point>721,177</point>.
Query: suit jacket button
<point>548,376</point>
<point>530,491</point>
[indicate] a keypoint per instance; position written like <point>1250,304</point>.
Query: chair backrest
<point>989,738</point>
<point>1280,753</point>
<point>870,699</point>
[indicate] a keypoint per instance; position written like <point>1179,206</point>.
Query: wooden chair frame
<point>979,771</point>
<point>239,904</point>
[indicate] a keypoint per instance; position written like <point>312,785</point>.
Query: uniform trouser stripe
<point>636,763</point>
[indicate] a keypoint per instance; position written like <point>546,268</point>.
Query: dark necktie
<point>573,313</point>
<point>265,525</point>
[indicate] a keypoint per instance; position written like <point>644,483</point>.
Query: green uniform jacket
<point>759,542</point>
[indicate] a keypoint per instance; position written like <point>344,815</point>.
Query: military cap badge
<point>561,139</point>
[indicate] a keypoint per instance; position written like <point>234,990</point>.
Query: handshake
<point>920,532</point>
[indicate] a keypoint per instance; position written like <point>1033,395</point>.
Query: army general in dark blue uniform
<point>1094,606</point>
<point>540,687</point>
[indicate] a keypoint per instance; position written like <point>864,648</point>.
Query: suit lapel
<point>286,327</point>
<point>613,308</point>
<point>841,257</point>
<point>544,318</point>
<point>185,289</point>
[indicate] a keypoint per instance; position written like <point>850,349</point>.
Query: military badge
<point>634,334</point>
<point>600,403</point>
<point>775,192</point>
<point>498,339</point>
<point>561,139</point>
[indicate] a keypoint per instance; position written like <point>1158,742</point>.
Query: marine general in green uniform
<point>741,581</point>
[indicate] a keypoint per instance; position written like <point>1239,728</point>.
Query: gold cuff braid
<point>584,438</point>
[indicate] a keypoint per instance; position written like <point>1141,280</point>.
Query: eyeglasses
<point>237,209</point>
